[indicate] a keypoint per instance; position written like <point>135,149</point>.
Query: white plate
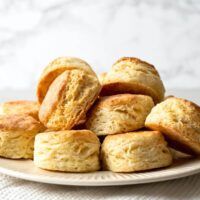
<point>25,169</point>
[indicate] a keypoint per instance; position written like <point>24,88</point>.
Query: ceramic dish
<point>25,169</point>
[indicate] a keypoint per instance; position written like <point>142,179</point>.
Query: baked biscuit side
<point>69,151</point>
<point>179,120</point>
<point>119,114</point>
<point>135,151</point>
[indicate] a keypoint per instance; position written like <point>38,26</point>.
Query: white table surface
<point>185,188</point>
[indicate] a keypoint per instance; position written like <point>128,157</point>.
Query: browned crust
<point>176,139</point>
<point>53,70</point>
<point>130,134</point>
<point>136,61</point>
<point>22,107</point>
<point>49,104</point>
<point>121,99</point>
<point>187,102</point>
<point>19,123</point>
<point>121,88</point>
<point>53,97</point>
<point>85,135</point>
<point>45,82</point>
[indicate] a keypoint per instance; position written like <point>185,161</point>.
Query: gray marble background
<point>165,33</point>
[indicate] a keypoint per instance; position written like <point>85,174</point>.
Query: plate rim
<point>69,182</point>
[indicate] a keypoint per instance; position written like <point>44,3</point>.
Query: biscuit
<point>179,121</point>
<point>20,107</point>
<point>135,151</point>
<point>69,151</point>
<point>119,113</point>
<point>132,75</point>
<point>54,69</point>
<point>68,99</point>
<point>17,134</point>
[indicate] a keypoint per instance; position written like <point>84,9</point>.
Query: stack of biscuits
<point>119,121</point>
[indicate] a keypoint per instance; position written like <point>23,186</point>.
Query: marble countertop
<point>165,33</point>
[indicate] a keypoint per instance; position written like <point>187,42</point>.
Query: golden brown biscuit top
<point>66,60</point>
<point>19,123</point>
<point>19,107</point>
<point>137,61</point>
<point>152,136</point>
<point>69,62</point>
<point>57,67</point>
<point>121,99</point>
<point>191,105</point>
<point>80,135</point>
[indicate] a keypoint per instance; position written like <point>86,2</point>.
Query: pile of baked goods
<point>120,121</point>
